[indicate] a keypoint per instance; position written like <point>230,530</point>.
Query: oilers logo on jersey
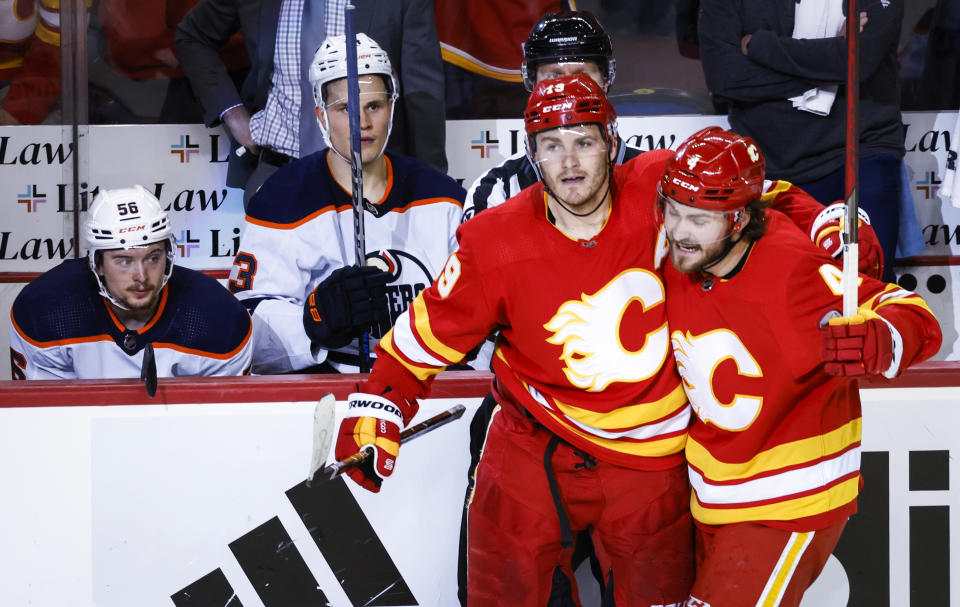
<point>409,276</point>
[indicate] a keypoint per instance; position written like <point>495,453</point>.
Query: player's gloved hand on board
<point>827,234</point>
<point>856,346</point>
<point>373,420</point>
<point>347,303</point>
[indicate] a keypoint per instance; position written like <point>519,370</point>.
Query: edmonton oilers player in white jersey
<point>296,270</point>
<point>127,310</point>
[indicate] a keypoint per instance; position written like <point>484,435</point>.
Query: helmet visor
<point>580,143</point>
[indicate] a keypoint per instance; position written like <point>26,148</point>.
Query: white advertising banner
<point>473,146</point>
<point>205,504</point>
<point>185,165</point>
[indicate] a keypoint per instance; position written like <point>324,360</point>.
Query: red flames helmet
<point>716,170</point>
<point>565,101</point>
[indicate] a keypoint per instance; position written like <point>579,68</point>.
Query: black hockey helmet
<point>567,36</point>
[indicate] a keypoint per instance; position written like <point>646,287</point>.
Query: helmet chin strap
<point>729,242</point>
<point>326,132</point>
<point>105,292</point>
<point>727,247</point>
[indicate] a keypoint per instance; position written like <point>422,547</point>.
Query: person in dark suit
<point>264,116</point>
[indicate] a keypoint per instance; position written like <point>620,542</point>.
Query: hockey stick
<point>324,417</point>
<point>357,459</point>
<point>852,164</point>
<point>356,163</point>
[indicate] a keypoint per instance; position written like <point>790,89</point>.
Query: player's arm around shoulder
<point>823,224</point>
<point>646,166</point>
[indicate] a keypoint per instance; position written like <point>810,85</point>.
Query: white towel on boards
<point>817,19</point>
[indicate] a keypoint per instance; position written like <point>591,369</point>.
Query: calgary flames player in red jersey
<point>770,370</point>
<point>592,419</point>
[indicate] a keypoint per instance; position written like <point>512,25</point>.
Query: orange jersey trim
<point>153,320</point>
<point>386,191</point>
<point>299,222</point>
<point>57,342</point>
<point>204,353</point>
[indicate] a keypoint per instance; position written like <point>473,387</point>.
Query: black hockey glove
<point>346,304</point>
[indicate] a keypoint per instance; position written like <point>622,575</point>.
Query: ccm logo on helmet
<point>131,229</point>
<point>684,184</point>
<point>375,404</point>
<point>558,107</point>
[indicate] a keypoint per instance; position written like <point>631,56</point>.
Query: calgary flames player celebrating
<point>567,271</point>
<point>769,368</point>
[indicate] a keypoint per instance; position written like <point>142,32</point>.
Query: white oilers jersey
<point>62,328</point>
<point>300,228</point>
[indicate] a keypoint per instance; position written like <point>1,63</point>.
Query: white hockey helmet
<point>126,218</point>
<point>330,63</point>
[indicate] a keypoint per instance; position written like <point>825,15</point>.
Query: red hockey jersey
<point>775,439</point>
<point>487,37</point>
<point>584,344</point>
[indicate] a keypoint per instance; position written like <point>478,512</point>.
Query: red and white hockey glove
<point>856,346</point>
<point>827,234</point>
<point>372,421</point>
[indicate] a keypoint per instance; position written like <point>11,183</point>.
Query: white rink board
<point>126,505</point>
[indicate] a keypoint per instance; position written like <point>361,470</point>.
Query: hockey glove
<point>372,421</point>
<point>827,234</point>
<point>346,304</point>
<point>856,346</point>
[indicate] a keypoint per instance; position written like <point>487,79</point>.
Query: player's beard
<point>140,304</point>
<point>690,257</point>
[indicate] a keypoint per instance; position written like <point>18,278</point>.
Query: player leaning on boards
<point>126,310</point>
<point>769,368</point>
<point>560,44</point>
<point>554,269</point>
<point>296,269</point>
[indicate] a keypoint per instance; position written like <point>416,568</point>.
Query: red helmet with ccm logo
<point>715,170</point>
<point>565,101</point>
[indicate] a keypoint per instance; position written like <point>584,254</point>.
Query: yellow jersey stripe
<point>783,572</point>
<point>47,35</point>
<point>630,416</point>
<point>775,458</point>
<point>787,510</point>
<point>770,195</point>
<point>421,373</point>
<point>465,61</point>
<point>422,326</point>
<point>652,448</point>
